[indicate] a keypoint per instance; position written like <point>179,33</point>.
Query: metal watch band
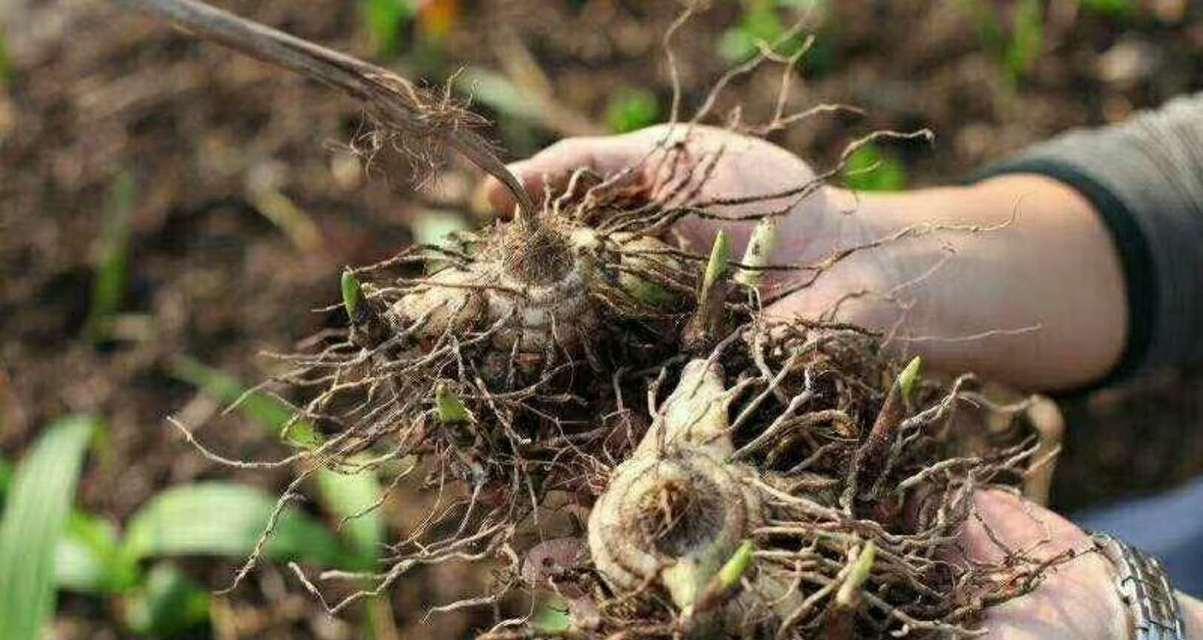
<point>1145,589</point>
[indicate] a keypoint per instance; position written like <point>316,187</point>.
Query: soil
<point>93,94</point>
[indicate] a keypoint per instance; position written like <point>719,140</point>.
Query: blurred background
<point>169,209</point>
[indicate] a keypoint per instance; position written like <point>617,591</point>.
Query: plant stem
<point>396,100</point>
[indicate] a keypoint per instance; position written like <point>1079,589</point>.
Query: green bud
<point>760,248</point>
<point>862,567</point>
<point>716,267</point>
<point>451,408</point>
<point>352,294</point>
<point>729,575</point>
<point>908,380</point>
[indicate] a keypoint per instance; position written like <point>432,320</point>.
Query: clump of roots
<point>578,362</point>
<point>694,467</point>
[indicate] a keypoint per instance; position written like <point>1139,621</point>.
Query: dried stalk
<point>397,102</point>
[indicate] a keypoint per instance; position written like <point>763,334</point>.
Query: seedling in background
<point>35,516</point>
<point>1113,9</point>
<point>386,22</point>
<point>112,266</point>
<point>870,168</point>
<point>632,109</point>
<point>5,65</point>
<point>1018,48</point>
<point>761,22</point>
<point>1027,39</point>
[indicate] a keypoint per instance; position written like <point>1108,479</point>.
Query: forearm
<point>1192,615</point>
<point>1041,284</point>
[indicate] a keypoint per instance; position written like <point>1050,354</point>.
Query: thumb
<point>553,166</point>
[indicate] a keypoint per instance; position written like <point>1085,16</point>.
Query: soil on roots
<point>529,365</point>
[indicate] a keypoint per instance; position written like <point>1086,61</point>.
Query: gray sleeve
<point>1145,178</point>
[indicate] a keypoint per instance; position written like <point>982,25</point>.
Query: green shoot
<point>733,570</point>
<point>759,23</point>
<point>760,249</point>
<point>908,380</point>
<point>849,592</point>
<point>34,518</point>
<point>352,294</point>
<point>112,267</point>
<point>451,409</point>
<point>87,558</point>
<point>552,616</point>
<point>716,267</point>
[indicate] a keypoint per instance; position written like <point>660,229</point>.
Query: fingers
<point>553,166</point>
<point>1076,599</point>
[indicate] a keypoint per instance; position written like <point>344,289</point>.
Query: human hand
<point>1077,599</point>
<point>1014,278</point>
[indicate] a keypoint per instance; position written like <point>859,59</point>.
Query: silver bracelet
<point>1145,589</point>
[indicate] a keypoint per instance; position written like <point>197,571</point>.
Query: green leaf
<point>112,270</point>
<point>269,412</point>
<point>42,492</point>
<point>6,69</point>
<point>225,519</point>
<point>87,558</point>
<point>1027,39</point>
<point>6,479</point>
<point>869,168</point>
<point>759,23</point>
<point>168,604</point>
<point>631,109</point>
<point>1114,9</point>
<point>348,496</point>
<point>552,616</point>
<point>386,21</point>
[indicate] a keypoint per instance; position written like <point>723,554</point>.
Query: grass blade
<point>112,269</point>
<point>347,496</point>
<point>42,493</point>
<point>225,519</point>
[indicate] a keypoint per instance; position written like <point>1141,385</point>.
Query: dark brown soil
<point>92,94</point>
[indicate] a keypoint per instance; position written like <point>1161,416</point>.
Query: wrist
<point>1192,616</point>
<point>1040,279</point>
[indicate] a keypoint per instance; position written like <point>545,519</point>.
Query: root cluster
<point>578,381</point>
<point>609,421</point>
